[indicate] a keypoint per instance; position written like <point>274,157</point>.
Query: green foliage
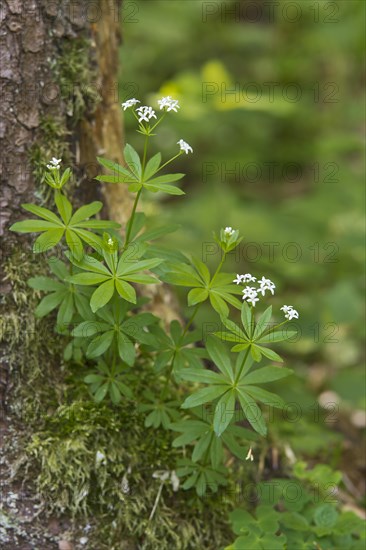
<point>96,300</point>
<point>299,513</point>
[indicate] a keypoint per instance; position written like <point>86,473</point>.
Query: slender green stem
<point>144,157</point>
<point>218,268</point>
<point>237,378</point>
<point>130,223</point>
<point>196,309</point>
<point>169,161</point>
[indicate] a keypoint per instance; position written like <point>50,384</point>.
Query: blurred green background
<point>271,101</point>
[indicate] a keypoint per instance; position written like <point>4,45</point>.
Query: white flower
<point>99,457</point>
<point>290,312</point>
<point>54,164</point>
<point>184,146</point>
<point>110,241</point>
<point>250,455</point>
<point>229,231</point>
<point>145,113</point>
<point>252,300</point>
<point>248,278</point>
<point>266,284</point>
<point>249,291</point>
<point>250,294</point>
<point>130,103</point>
<point>169,103</point>
<point>239,279</point>
<point>83,540</point>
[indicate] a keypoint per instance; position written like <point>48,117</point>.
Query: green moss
<point>76,78</point>
<point>71,479</point>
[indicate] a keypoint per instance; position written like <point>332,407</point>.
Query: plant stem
<point>169,161</point>
<point>196,309</point>
<point>237,378</point>
<point>130,223</point>
<point>218,268</point>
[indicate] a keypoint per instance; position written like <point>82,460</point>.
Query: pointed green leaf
<point>164,187</point>
<point>246,318</point>
<point>88,279</point>
<point>266,374</point>
<point>152,166</point>
<point>266,397</point>
<point>33,226</point>
<point>126,291</point>
<point>262,323</point>
<point>252,412</point>
<point>63,206</point>
<point>47,240</point>
<point>224,412</point>
<point>102,295</point>
<point>204,396</point>
<point>48,303</point>
<point>219,304</point>
<point>220,357</point>
<point>86,211</point>
<point>197,295</point>
<point>100,344</point>
<point>42,213</point>
<point>270,354</point>
<point>133,160</point>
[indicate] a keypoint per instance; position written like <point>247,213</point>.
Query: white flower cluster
<point>54,164</point>
<point>145,113</point>
<point>169,103</point>
<point>130,103</point>
<point>250,293</point>
<point>290,312</point>
<point>184,146</point>
<point>229,231</point>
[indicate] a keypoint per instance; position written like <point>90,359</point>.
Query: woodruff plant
<point>98,309</point>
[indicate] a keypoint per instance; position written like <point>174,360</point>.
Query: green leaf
<point>202,375</point>
<point>45,284</point>
<point>74,243</point>
<point>197,295</point>
<point>202,270</point>
<point>220,357</point>
<point>219,304</point>
<point>126,291</point>
<point>252,412</point>
<point>102,295</point>
<point>266,397</point>
<point>101,393</point>
<point>262,323</point>
<point>204,395</point>
<point>170,189</point>
<point>63,206</point>
<point>42,213</point>
<point>114,166</point>
<point>48,303</point>
<point>224,412</point>
<point>88,279</point>
<point>33,226</point>
<point>133,160</point>
<point>167,178</point>
<point>266,374</point>
<point>47,240</point>
<point>246,318</point>
<point>270,354</point>
<point>86,211</point>
<point>126,349</point>
<point>152,166</point>
<point>256,352</point>
<point>201,447</point>
<point>277,336</point>
<point>100,344</point>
